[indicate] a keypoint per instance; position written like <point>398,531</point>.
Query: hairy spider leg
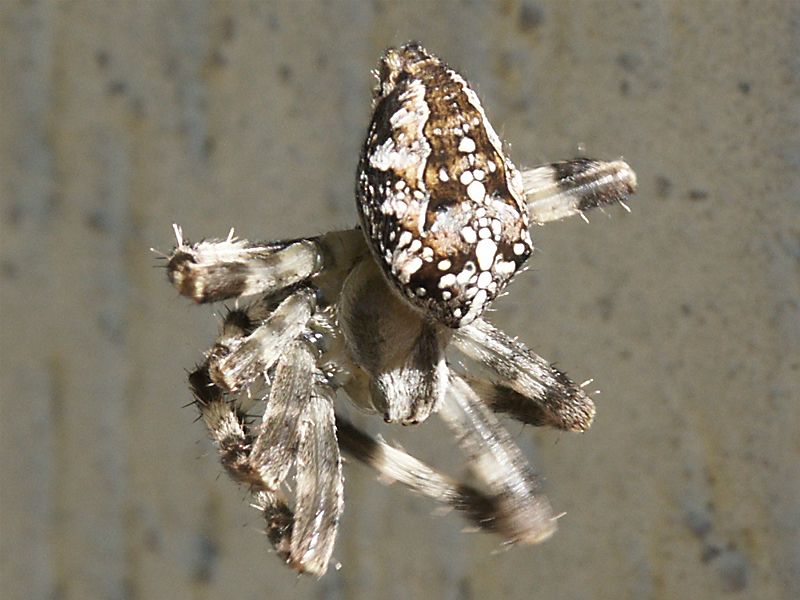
<point>222,269</point>
<point>395,465</point>
<point>572,187</point>
<point>512,379</point>
<point>297,428</point>
<point>319,483</point>
<point>522,512</point>
<point>512,505</point>
<point>214,270</point>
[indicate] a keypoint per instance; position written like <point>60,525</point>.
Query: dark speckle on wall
<point>531,17</point>
<point>697,194</point>
<point>285,73</point>
<point>207,552</point>
<point>8,269</point>
<point>663,186</point>
<point>733,570</point>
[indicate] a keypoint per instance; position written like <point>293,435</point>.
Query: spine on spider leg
<point>521,513</point>
<point>515,380</point>
<point>215,270</point>
<point>570,187</point>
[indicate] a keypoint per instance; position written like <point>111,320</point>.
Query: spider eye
<point>441,205</point>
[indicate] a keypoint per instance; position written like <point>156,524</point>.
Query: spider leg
<point>521,513</point>
<point>403,352</point>
<point>229,430</point>
<point>242,446</point>
<point>276,437</point>
<point>304,537</point>
<point>319,481</point>
<point>298,430</point>
<point>239,360</point>
<point>513,506</point>
<point>219,269</point>
<point>394,464</point>
<point>570,187</point>
<point>280,521</point>
<point>512,379</point>
<point>227,427</point>
<point>214,270</point>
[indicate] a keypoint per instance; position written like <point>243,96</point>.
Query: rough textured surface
<point>119,119</point>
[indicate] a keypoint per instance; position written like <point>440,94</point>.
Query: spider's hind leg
<point>395,465</point>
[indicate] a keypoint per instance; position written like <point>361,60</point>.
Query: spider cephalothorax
<point>391,315</point>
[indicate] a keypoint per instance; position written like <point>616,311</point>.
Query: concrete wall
<point>120,118</point>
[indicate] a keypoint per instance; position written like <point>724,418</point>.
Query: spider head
<point>441,205</point>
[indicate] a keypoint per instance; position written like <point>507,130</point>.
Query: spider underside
<point>351,311</point>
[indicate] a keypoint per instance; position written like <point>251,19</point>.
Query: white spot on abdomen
<point>447,280</point>
<point>485,251</point>
<point>469,235</point>
<point>467,144</point>
<point>476,191</point>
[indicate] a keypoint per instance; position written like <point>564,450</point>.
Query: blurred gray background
<point>120,118</point>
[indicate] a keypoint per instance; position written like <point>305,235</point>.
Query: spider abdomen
<point>441,205</point>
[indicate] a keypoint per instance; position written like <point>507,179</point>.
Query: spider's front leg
<point>221,269</point>
<point>296,429</point>
<point>214,270</point>
<point>269,344</point>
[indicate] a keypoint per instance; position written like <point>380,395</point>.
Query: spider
<point>390,313</point>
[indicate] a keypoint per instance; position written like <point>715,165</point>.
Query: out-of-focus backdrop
<point>121,118</point>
